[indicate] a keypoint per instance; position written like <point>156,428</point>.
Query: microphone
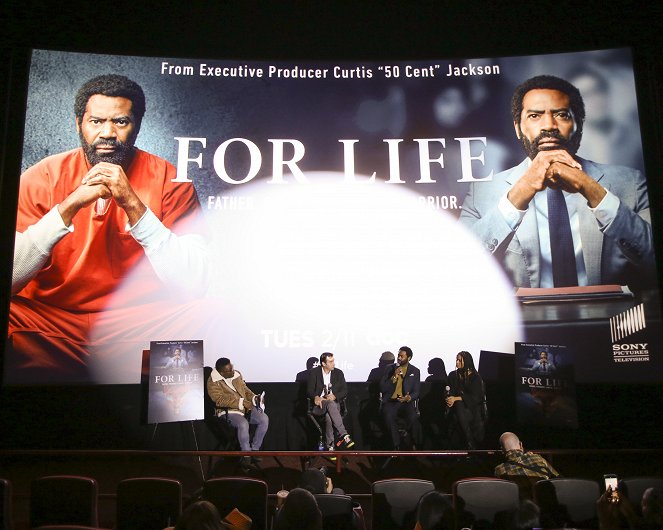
<point>447,393</point>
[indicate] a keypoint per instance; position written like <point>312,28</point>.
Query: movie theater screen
<point>278,210</point>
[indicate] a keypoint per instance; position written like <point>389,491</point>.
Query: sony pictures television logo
<point>625,326</point>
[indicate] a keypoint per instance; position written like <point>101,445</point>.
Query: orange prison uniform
<point>51,316</point>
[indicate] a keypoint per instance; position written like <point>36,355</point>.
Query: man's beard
<point>571,145</point>
<point>121,156</point>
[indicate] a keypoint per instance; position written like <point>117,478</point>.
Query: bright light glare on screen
<point>355,269</point>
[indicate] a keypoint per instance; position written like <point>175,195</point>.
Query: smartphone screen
<point>610,480</point>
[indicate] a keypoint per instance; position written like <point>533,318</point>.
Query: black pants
<point>391,410</point>
<point>466,425</point>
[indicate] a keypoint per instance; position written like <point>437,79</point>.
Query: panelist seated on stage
<point>558,220</point>
<point>326,387</point>
<point>400,387</point>
<point>465,401</point>
<point>227,388</point>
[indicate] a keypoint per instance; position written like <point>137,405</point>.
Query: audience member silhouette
<point>201,515</point>
<point>652,508</point>
<point>317,482</point>
<point>435,512</point>
<point>299,512</point>
<point>527,516</point>
<point>615,512</point>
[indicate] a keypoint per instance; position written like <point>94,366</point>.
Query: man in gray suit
<point>607,206</point>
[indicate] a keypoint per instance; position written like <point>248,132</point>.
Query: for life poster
<point>545,385</point>
<point>313,206</point>
<point>176,391</point>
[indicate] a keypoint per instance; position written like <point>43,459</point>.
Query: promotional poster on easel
<point>176,381</point>
<point>545,383</point>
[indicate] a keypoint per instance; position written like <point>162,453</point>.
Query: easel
<point>195,441</point>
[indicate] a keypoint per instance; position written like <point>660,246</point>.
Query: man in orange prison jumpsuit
<point>88,217</point>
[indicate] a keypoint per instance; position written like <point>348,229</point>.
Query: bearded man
<point>85,219</point>
<point>557,220</point>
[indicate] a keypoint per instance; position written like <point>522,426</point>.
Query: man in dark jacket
<point>327,388</point>
<point>400,388</point>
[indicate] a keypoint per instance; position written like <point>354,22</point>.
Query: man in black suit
<point>327,388</point>
<point>400,387</point>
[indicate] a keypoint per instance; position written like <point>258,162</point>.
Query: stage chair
<point>394,502</point>
<point>567,502</point>
<point>6,519</point>
<point>338,512</point>
<point>318,422</point>
<point>248,495</point>
<point>407,440</point>
<point>634,487</point>
<point>484,502</point>
<point>148,503</point>
<point>64,500</point>
<point>222,430</point>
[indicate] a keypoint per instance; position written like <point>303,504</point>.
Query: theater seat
<point>337,512</point>
<point>394,502</point>
<point>248,495</point>
<point>148,503</point>
<point>634,487</point>
<point>567,502</point>
<point>63,500</point>
<point>484,502</point>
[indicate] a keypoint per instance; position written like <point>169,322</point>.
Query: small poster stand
<point>176,384</point>
<point>545,385</point>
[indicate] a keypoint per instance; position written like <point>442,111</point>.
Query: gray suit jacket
<point>623,254</point>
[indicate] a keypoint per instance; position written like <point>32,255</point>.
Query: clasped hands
<point>317,400</point>
<point>103,181</point>
<point>555,169</point>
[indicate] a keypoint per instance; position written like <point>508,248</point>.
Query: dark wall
<point>113,417</point>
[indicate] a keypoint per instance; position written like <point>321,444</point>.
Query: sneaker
<point>345,442</point>
<point>331,449</point>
